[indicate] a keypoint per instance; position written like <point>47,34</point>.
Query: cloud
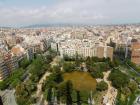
<point>63,12</point>
<point>72,11</point>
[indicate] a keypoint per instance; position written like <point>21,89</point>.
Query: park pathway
<point>39,92</point>
<point>111,94</point>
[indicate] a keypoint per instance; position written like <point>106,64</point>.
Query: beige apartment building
<point>135,56</point>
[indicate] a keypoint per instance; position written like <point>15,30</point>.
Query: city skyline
<point>24,13</point>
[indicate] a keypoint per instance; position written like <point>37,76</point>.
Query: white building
<point>84,48</point>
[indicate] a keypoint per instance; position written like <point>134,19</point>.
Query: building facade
<point>7,64</point>
<point>135,56</point>
<point>85,48</point>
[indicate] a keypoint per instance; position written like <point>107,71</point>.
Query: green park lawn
<point>81,81</point>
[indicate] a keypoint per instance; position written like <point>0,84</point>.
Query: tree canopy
<point>118,79</point>
<point>102,86</point>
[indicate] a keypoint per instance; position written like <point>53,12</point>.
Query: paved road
<point>8,97</point>
<point>132,69</point>
<point>136,101</point>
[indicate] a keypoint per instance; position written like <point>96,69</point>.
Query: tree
<point>37,69</point>
<point>103,66</point>
<point>23,94</point>
<point>67,58</point>
<point>78,98</point>
<point>119,79</point>
<point>126,91</point>
<point>78,60</point>
<point>69,91</point>
<point>21,90</point>
<point>15,82</point>
<point>133,86</point>
<point>52,52</point>
<point>30,86</point>
<point>56,69</point>
<point>3,85</point>
<point>58,95</point>
<point>24,63</point>
<point>22,100</point>
<point>49,96</point>
<point>102,86</point>
<point>47,67</point>
<point>89,63</point>
<point>33,100</point>
<point>49,58</point>
<point>65,89</point>
<point>68,66</point>
<point>55,77</point>
<point>97,74</point>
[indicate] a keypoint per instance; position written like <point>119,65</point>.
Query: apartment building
<point>4,71</point>
<point>11,61</point>
<point>54,46</point>
<point>135,56</point>
<point>109,52</point>
<point>7,64</point>
<point>85,51</point>
<point>30,53</point>
<point>100,52</point>
<point>85,48</point>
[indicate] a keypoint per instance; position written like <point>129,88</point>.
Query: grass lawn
<point>82,81</point>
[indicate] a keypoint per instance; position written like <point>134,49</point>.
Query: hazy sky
<point>28,12</point>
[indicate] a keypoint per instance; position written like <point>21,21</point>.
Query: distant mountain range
<point>51,25</point>
<point>64,25</point>
<point>44,25</point>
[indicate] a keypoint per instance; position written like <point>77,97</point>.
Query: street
<point>8,97</point>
